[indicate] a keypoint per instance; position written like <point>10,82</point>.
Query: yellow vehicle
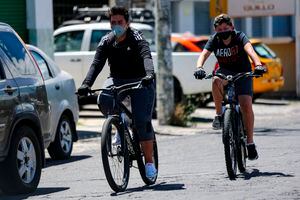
<point>273,79</point>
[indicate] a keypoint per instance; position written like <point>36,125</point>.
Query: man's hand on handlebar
<point>147,80</point>
<point>83,90</point>
<point>260,70</point>
<point>200,73</point>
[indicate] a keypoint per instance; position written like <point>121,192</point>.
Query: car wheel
<point>61,147</point>
<point>20,172</point>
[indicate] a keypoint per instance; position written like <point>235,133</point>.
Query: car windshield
<point>263,50</point>
<point>149,36</point>
<point>200,44</point>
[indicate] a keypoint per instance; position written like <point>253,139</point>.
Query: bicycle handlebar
<point>122,88</point>
<point>232,78</point>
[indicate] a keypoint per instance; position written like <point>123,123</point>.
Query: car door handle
<point>57,87</point>
<point>75,60</point>
<point>9,90</point>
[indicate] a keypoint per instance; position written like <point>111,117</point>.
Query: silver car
<point>63,102</point>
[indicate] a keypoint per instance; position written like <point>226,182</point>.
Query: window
<point>201,44</point>
<point>180,48</point>
<point>96,37</point>
<point>42,65</point>
<point>257,26</point>
<point>263,50</point>
<point>282,26</point>
<point>69,41</point>
<point>201,18</point>
<point>17,54</point>
<point>2,76</point>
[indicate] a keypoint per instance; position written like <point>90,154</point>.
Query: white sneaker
<point>116,140</point>
<point>151,171</point>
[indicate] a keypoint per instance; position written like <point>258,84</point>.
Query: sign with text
<point>252,8</point>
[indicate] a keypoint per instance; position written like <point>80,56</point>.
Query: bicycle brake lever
<point>209,76</point>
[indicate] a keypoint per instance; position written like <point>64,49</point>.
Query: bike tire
<point>114,154</point>
<point>141,162</point>
<point>230,143</point>
<point>241,147</point>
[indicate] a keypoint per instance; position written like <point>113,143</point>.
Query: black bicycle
<point>234,134</point>
<point>118,158</point>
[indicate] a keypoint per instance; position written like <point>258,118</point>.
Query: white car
<point>63,102</point>
<point>75,47</point>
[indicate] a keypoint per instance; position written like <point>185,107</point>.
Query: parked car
<point>60,87</point>
<point>273,80</point>
<point>75,47</point>
<point>188,42</point>
<point>24,116</point>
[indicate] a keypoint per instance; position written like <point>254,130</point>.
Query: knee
<point>246,106</point>
<point>144,130</point>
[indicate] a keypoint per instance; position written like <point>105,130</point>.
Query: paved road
<point>191,162</point>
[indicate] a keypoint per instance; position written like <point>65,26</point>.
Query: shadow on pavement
<point>157,187</point>
<point>201,119</point>
<point>272,103</point>
<point>277,131</point>
<point>257,173</point>
<point>87,134</point>
<point>90,116</point>
<point>39,191</point>
<point>50,162</point>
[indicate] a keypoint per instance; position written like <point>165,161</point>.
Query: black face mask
<point>224,35</point>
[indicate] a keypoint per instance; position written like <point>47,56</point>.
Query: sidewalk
<point>93,121</point>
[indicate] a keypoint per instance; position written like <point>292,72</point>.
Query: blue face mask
<point>118,30</point>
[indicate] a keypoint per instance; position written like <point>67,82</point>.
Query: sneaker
<point>151,171</point>
<point>217,123</point>
<point>252,153</point>
<point>116,140</point>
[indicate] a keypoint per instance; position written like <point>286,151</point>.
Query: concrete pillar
<point>297,39</point>
<point>268,27</point>
<point>40,24</point>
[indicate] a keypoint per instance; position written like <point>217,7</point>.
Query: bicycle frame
<point>123,111</point>
<point>129,149</point>
<point>234,137</point>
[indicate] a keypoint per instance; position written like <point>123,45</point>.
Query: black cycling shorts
<point>243,86</point>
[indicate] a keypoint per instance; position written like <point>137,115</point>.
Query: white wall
<point>185,16</point>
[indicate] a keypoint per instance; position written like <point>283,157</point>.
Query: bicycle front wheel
<point>229,140</point>
<point>115,157</point>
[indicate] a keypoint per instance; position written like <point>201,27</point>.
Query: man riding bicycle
<point>232,49</point>
<point>129,58</point>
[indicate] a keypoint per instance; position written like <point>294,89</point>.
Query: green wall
<point>13,12</point>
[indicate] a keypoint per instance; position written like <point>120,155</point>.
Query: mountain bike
<point>118,159</point>
<point>233,132</point>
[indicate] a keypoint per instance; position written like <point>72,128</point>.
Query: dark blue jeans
<point>142,103</point>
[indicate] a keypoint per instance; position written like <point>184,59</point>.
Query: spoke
<point>32,164</point>
<point>67,137</point>
<point>66,146</point>
<point>24,145</point>
<point>20,155</point>
<point>22,170</point>
<point>31,152</point>
<point>28,175</point>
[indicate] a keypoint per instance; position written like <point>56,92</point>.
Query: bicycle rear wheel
<point>115,158</point>
<point>241,147</point>
<point>229,140</point>
<point>141,161</point>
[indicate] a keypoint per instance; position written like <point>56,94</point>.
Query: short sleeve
<point>209,44</point>
<point>243,38</point>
